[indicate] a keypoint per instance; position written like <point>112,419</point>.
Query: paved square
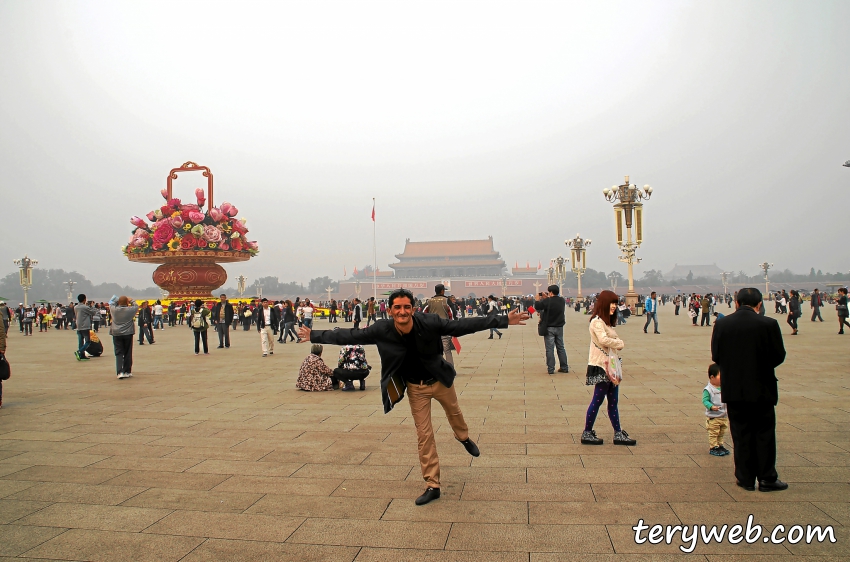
<point>219,457</point>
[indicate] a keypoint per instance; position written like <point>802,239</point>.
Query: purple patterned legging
<point>601,390</point>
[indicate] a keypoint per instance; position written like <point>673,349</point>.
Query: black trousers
<point>705,320</point>
<point>223,330</point>
<point>123,346</point>
<point>792,321</point>
<point>753,429</point>
<point>200,336</point>
<point>816,314</point>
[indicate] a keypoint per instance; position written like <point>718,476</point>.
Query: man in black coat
<point>268,319</point>
<point>222,316</point>
<point>748,347</point>
<point>411,351</point>
<point>551,306</point>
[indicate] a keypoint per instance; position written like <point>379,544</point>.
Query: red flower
<point>236,244</point>
<point>163,233</point>
<point>202,243</point>
<point>166,210</point>
<point>188,242</point>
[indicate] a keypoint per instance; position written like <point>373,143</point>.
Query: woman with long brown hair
<point>604,344</point>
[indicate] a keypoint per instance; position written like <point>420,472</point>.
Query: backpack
<point>198,321</point>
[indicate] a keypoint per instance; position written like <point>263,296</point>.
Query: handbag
<point>613,366</point>
<point>5,369</point>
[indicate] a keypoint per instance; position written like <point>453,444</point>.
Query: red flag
<point>373,210</point>
<point>355,270</point>
<point>539,265</point>
<point>526,265</point>
<point>516,265</point>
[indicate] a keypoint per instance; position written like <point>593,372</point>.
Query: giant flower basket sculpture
<point>189,241</point>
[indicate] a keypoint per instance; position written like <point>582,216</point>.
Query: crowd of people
<point>420,362</point>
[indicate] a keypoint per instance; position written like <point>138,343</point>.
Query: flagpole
<point>374,255</point>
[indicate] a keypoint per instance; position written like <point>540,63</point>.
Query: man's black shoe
<point>220,347</point>
<point>656,332</point>
<point>430,494</point>
<point>749,488</point>
<point>644,330</point>
<point>471,447</point>
<point>772,486</point>
<point>564,370</point>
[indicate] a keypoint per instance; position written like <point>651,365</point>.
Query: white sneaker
<point>123,376</point>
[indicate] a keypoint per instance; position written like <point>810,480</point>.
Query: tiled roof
<point>448,248</point>
<point>448,263</point>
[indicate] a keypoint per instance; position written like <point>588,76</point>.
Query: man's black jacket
<point>748,348</point>
<point>145,316</point>
<point>261,318</point>
<point>228,312</point>
<point>554,309</point>
<point>428,329</point>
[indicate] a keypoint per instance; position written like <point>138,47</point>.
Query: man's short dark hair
<point>440,289</point>
<point>400,294</point>
<point>265,300</point>
<point>222,295</point>
<point>749,296</point>
<point>554,289</point>
<point>713,370</point>
<point>81,298</point>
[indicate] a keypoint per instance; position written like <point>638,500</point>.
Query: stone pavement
<point>220,458</point>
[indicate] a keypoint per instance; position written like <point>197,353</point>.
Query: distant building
<point>451,258</point>
<point>682,271</point>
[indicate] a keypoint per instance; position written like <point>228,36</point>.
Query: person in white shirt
<point>157,315</point>
<point>307,314</point>
<point>268,319</point>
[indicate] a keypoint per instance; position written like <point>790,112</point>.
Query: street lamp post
<point>765,266</point>
<point>550,274</point>
<point>329,289</point>
<point>70,284</point>
<point>560,273</point>
<point>628,213</point>
<point>26,265</point>
<point>357,288</point>
<point>724,279</point>
<point>504,286</point>
<point>578,257</point>
<point>240,285</point>
<point>612,278</point>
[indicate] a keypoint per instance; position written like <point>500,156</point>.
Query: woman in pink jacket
<point>604,344</point>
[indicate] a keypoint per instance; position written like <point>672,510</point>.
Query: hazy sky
<point>463,119</point>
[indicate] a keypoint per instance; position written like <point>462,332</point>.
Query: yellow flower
<point>187,227</point>
<point>175,214</point>
<point>226,228</point>
<point>212,245</point>
<point>174,244</point>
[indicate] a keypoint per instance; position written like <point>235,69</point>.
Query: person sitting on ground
<point>314,375</point>
<point>352,366</point>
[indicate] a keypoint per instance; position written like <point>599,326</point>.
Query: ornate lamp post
<point>628,213</point>
<point>765,266</point>
<point>550,274</point>
<point>357,288</point>
<point>240,285</point>
<point>612,278</point>
<point>26,265</point>
<point>560,273</point>
<point>578,257</point>
<point>504,286</point>
<point>70,284</point>
<point>724,279</point>
<point>329,289</point>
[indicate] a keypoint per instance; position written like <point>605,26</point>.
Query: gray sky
<point>463,119</point>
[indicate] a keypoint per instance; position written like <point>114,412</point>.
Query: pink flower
<point>216,215</point>
<point>225,208</point>
<point>238,227</point>
<point>137,242</point>
<point>190,207</point>
<point>200,196</point>
<point>151,216</point>
<point>158,246</point>
<point>196,216</point>
<point>163,234</point>
<point>177,221</point>
<point>164,193</point>
<point>138,221</point>
<point>212,234</point>
<point>143,234</point>
<point>233,211</point>
<point>174,203</point>
<point>253,245</point>
<point>224,246</point>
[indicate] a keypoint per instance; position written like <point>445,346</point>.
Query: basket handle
<point>192,167</point>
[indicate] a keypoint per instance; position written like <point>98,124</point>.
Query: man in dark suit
<point>222,317</point>
<point>411,351</point>
<point>748,347</point>
<point>268,319</point>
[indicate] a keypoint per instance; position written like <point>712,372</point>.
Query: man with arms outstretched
<point>411,349</point>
